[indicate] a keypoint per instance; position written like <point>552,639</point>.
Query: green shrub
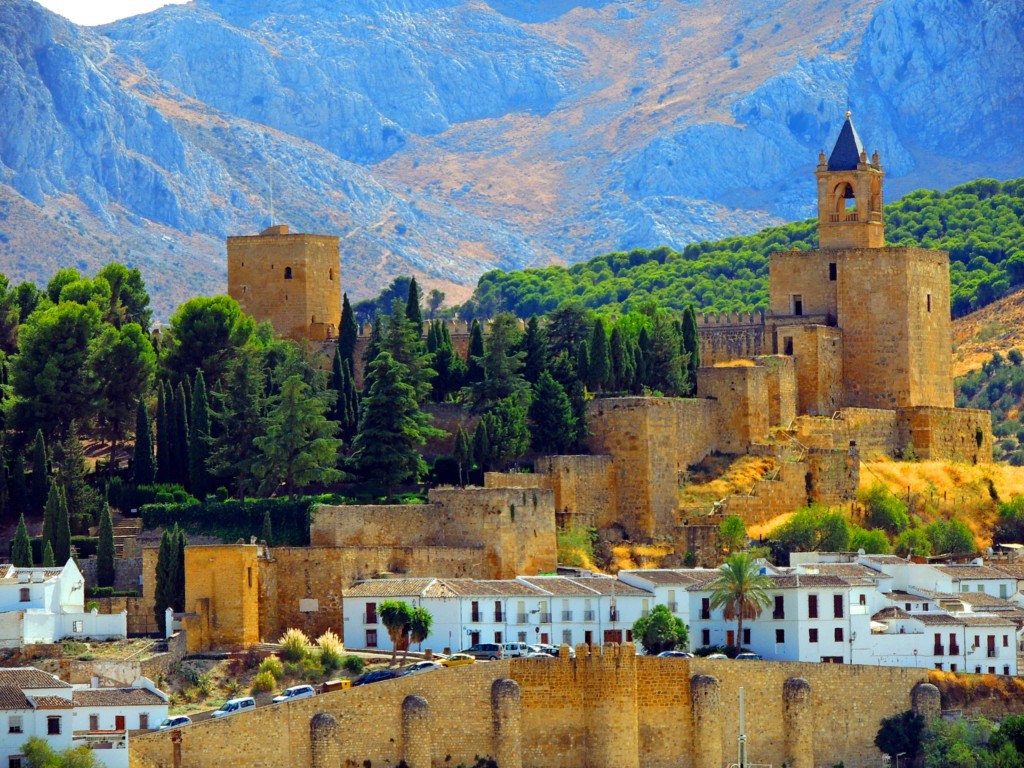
<point>331,650</point>
<point>294,645</point>
<point>264,682</point>
<point>353,664</point>
<point>272,665</point>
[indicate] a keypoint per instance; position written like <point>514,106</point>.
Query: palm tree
<point>395,616</point>
<point>741,589</point>
<point>420,622</point>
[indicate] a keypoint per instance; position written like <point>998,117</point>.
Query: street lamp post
<point>898,756</point>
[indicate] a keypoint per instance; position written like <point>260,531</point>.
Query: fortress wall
<point>835,474</point>
<point>720,344</point>
<point>605,709</point>
<point>742,400</point>
<point>782,388</point>
<point>817,351</point>
<point>957,434</point>
<point>584,487</point>
<point>876,431</point>
<point>770,498</point>
<point>805,274</point>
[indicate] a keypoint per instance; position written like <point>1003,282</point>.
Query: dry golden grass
<point>959,689</point>
<point>761,530</point>
<point>998,327</point>
<point>715,478</point>
<point>627,556</point>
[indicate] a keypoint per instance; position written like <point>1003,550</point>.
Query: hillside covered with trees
<point>981,224</point>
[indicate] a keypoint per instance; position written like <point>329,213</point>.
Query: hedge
<point>128,497</point>
<point>91,592</point>
<point>233,520</point>
<point>85,545</point>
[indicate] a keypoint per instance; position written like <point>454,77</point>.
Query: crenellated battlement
<point>730,319</point>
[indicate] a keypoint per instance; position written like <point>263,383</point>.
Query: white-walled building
<point>34,703</point>
<point>45,605</point>
<point>534,609</point>
<point>669,586</point>
<point>810,617</point>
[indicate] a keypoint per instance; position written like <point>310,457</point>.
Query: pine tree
<point>348,333</point>
<point>165,564</point>
<point>81,499</point>
<point>475,354</point>
<point>392,427</point>
<point>503,365</point>
<point>62,531</point>
<point>482,446</point>
<point>143,471</point>
<point>404,343</point>
<point>49,560</point>
<point>413,311</point>
<point>180,432</point>
<point>238,412</point>
<point>21,549</point>
<point>267,529</point>
<point>463,454</point>
<point>105,549</point>
<point>507,430</point>
<point>40,473</point>
<point>599,370</point>
<point>691,346</point>
<point>199,441</point>
<point>164,439</point>
<point>554,424</point>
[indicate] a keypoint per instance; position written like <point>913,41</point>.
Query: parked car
<point>508,650</point>
<point>675,655</point>
<point>376,676</point>
<point>420,666</point>
<point>457,660</point>
<point>295,692</point>
<point>234,706</point>
<point>490,651</point>
<point>175,722</point>
<point>539,655</point>
<point>748,657</point>
<point>551,650</point>
<point>717,656</point>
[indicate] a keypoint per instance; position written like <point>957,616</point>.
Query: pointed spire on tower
<point>847,151</point>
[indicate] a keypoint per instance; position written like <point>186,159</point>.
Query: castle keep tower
<point>869,326</point>
<point>290,281</point>
<point>850,194</point>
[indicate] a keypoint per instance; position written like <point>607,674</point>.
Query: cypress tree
<point>372,349</point>
<point>350,425</point>
<point>463,454</point>
<point>599,371</point>
<point>583,362</point>
<point>180,432</point>
<point>21,548</point>
<point>81,499</point>
<point>348,333</point>
<point>535,349</point>
<point>413,311</point>
<point>577,398</point>
<point>51,512</point>
<point>621,361</point>
<point>475,354</point>
<point>339,410</point>
<point>178,595</point>
<point>143,471</point>
<point>40,473</point>
<point>481,446</point>
<point>5,491</point>
<point>165,560</point>
<point>18,484</point>
<point>554,424</point>
<point>187,382</point>
<point>62,531</point>
<point>691,346</point>
<point>199,440</point>
<point>48,558</point>
<point>105,549</point>
<point>164,439</point>
<point>507,431</point>
<point>267,530</point>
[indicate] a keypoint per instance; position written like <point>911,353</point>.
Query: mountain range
<point>444,138</point>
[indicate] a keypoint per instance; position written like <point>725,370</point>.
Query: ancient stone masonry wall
<point>875,431</point>
<point>809,277</point>
<point>222,594</point>
<point>741,397</point>
<point>818,359</point>
<point>725,337</point>
<point>782,388</point>
<point>603,708</point>
<point>957,434</point>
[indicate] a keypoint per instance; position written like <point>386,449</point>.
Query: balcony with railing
<point>566,615</point>
<point>370,618</point>
<point>835,218</point>
<point>673,606</point>
<point>992,653</point>
<point>939,651</point>
<point>954,650</point>
<point>545,618</point>
<point>705,613</point>
<point>475,617</point>
<point>499,616</point>
<point>521,618</point>
<point>645,612</point>
<point>613,614</point>
<point>589,616</point>
<point>778,615</point>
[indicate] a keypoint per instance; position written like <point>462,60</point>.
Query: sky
<point>93,12</point>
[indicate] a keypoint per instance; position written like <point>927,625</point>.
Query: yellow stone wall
<point>222,589</point>
<point>305,306</point>
<point>818,362</point>
<point>606,709</point>
<point>741,397</point>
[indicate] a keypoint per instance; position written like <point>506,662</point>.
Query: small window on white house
<point>567,636</point>
<point>94,722</point>
<point>14,724</point>
<point>25,594</point>
<point>143,721</point>
<point>78,627</point>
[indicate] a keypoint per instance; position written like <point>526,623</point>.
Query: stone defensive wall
<point>730,336</point>
<point>514,526</point>
<point>604,708</point>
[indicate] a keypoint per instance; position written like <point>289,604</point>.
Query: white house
<point>810,617</point>
<point>34,703</point>
<point>45,605</point>
<point>535,609</point>
<point>970,577</point>
<point>669,585</point>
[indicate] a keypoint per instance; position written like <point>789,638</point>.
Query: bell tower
<point>850,194</point>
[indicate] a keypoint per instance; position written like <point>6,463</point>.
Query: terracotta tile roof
<point>798,580</point>
<point>991,602</point>
<point>885,559</point>
<point>29,677</point>
<point>115,697</point>
<point>966,619</point>
<point>389,588</point>
<point>971,571</point>
<point>52,702</point>
<point>488,588</point>
<point>672,577</point>
<point>1014,570</point>
<point>593,585</point>
<point>12,697</point>
<point>892,612</point>
<point>854,573</point>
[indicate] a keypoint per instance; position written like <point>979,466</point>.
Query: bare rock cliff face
<point>447,137</point>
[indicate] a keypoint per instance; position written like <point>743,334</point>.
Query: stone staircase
<point>125,530</point>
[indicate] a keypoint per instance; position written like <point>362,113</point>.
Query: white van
<point>508,650</point>
<point>234,706</point>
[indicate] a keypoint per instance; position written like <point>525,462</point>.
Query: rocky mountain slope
<point>447,137</point>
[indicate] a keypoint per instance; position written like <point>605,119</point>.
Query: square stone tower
<point>290,281</point>
<point>890,306</point>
